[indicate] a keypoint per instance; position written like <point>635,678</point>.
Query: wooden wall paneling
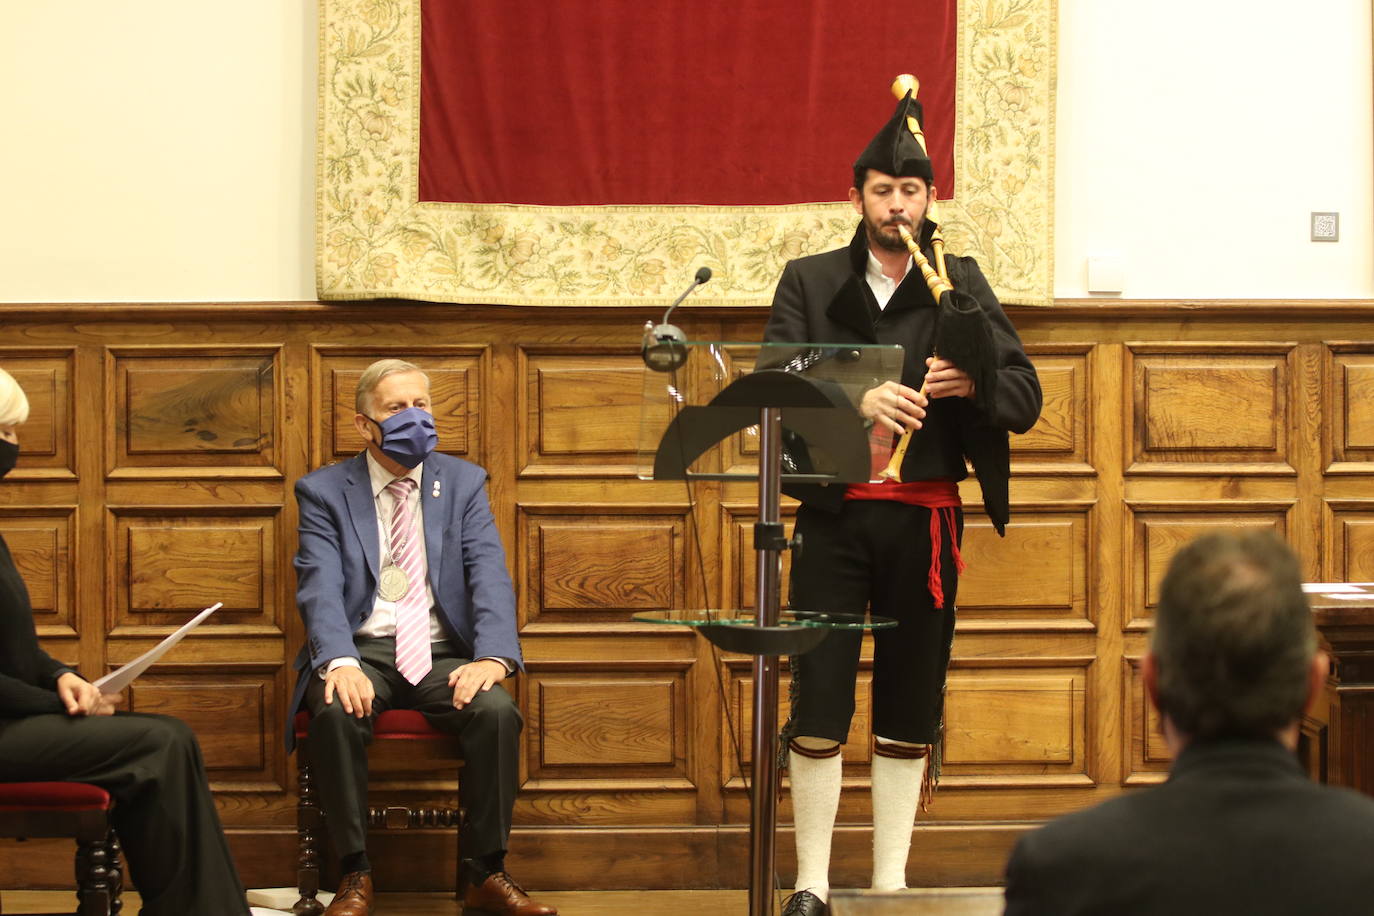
<point>738,560</point>
<point>1161,420</point>
<point>1142,738</point>
<point>1349,536</point>
<point>707,686</point>
<point>1306,455</point>
<point>1210,408</point>
<point>47,437</point>
<point>1017,722</point>
<point>740,453</point>
<point>193,411</point>
<point>1348,402</point>
<point>620,723</point>
<point>1159,529</point>
<point>581,410</point>
<point>1039,574</point>
<point>1060,443</point>
<point>168,562</point>
<point>1107,367</point>
<point>41,540</point>
<point>611,736</point>
<point>591,564</point>
<point>89,419</point>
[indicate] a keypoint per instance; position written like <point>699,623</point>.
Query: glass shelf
<point>697,617</point>
<point>797,632</point>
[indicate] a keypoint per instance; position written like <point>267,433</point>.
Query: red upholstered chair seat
<point>81,812</point>
<point>394,723</point>
<point>38,796</point>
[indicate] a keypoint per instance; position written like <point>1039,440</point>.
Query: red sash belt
<point>941,497</point>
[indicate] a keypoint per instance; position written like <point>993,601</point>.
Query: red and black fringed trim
<point>929,780</point>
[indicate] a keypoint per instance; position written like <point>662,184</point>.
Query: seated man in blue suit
<point>1238,827</point>
<point>407,603</point>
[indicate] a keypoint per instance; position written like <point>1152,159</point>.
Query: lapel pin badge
<point>435,492</point>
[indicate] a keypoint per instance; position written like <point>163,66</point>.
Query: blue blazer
<point>338,554</point>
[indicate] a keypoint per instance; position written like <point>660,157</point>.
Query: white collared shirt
<point>383,619</point>
<point>882,285</point>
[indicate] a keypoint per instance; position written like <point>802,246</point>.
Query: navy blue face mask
<point>408,436</point>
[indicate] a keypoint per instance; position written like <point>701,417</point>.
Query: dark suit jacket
<point>337,559</point>
<point>826,299</point>
<point>1238,828</point>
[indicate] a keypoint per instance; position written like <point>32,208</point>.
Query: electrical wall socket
<point>1106,273</point>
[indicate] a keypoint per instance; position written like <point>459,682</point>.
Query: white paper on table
<point>122,677</point>
<point>1332,588</point>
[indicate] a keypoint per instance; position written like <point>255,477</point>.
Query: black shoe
<point>805,903</point>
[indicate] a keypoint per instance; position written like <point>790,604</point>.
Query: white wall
<point>157,150</point>
<point>1195,137</point>
<point>162,150</point>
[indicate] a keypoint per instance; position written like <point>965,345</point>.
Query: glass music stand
<point>799,405</point>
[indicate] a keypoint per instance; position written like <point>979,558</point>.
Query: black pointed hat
<point>895,150</point>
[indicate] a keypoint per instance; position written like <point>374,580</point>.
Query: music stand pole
<point>764,807</point>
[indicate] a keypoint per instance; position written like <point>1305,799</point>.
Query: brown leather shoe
<point>502,896</point>
<point>354,897</point>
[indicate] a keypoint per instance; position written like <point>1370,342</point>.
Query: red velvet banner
<point>759,102</point>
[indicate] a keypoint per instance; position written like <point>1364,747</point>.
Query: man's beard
<point>882,239</point>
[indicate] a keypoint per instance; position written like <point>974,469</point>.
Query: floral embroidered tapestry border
<point>374,240</point>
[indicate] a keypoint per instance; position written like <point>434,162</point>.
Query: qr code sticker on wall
<point>1326,227</point>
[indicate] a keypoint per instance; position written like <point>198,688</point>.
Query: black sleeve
<point>1018,399</point>
<point>787,317</point>
<point>28,675</point>
<point>18,699</point>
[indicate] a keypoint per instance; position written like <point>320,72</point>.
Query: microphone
<point>663,348</point>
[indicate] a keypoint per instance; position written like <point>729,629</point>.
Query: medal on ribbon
<point>393,584</point>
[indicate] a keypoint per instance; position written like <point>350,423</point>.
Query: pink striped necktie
<point>412,610</point>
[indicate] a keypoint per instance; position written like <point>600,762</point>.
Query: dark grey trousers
<point>488,730</point>
<point>164,815</point>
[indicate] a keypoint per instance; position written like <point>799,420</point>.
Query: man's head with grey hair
<point>372,377</point>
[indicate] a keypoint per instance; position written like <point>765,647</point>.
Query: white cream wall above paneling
<point>157,150</point>
<point>1195,137</point>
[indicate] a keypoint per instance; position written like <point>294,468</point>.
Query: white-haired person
<point>57,726</point>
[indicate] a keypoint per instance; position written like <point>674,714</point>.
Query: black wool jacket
<point>825,298</point>
<point>28,675</point>
<point>1238,828</point>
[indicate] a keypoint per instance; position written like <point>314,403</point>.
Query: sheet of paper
<point>120,678</point>
<point>1332,588</point>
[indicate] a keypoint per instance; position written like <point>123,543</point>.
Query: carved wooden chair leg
<point>308,817</point>
<point>460,882</point>
<point>97,877</point>
<point>116,875</point>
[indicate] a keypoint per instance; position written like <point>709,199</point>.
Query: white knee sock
<point>896,793</point>
<point>815,799</point>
